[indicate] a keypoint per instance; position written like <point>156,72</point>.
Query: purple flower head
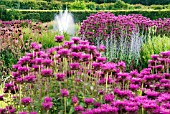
<point>101,59</point>
<point>108,98</point>
<point>47,62</point>
<point>74,100</point>
<point>75,39</point>
<point>155,57</point>
<point>76,56</point>
<point>78,108</point>
<point>131,109</point>
<point>47,105</point>
<point>16,66</point>
<point>97,104</point>
<point>85,57</point>
<point>15,75</point>
<point>23,113</point>
<point>60,76</point>
<point>59,38</point>
<point>63,52</point>
<point>23,69</point>
<point>122,65</point>
<point>88,101</point>
<point>26,100</point>
<point>101,92</point>
<point>124,76</point>
<point>75,48</point>
<point>10,109</point>
<point>47,99</point>
<point>74,66</point>
<point>33,112</point>
<point>47,72</point>
<point>1,97</point>
<point>109,67</point>
<point>64,92</point>
<point>165,54</point>
<point>2,111</point>
<point>134,86</point>
<point>84,42</point>
<point>68,44</point>
<point>134,73</point>
<point>96,65</point>
<point>151,94</point>
<point>29,78</point>
<point>102,48</point>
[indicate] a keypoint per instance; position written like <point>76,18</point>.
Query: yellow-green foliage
<point>154,46</point>
<point>45,37</point>
<point>2,104</point>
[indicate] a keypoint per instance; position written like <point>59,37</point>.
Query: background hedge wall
<point>58,5</point>
<point>79,15</point>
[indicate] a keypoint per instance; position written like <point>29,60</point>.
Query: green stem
<point>107,75</point>
<point>65,105</point>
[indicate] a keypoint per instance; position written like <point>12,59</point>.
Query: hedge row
<point>77,5</point>
<point>79,15</point>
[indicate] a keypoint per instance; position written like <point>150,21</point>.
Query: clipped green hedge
<point>76,5</point>
<point>80,15</point>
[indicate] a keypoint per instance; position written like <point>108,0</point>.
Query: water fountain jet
<point>64,23</point>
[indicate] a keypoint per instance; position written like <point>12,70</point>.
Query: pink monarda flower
<point>60,76</point>
<point>59,38</point>
<point>23,113</point>
<point>74,66</point>
<point>26,100</point>
<point>102,48</point>
<point>47,72</point>
<point>108,98</point>
<point>64,92</point>
<point>63,52</point>
<point>1,97</point>
<point>75,39</point>
<point>74,100</point>
<point>47,99</point>
<point>101,59</point>
<point>78,108</point>
<point>88,101</point>
<point>47,104</point>
<point>47,62</point>
<point>85,57</point>
<point>29,78</point>
<point>10,109</point>
<point>33,113</point>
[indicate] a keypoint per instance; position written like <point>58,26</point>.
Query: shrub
<point>55,6</point>
<point>101,7</point>
<point>156,7</point>
<point>120,5</point>
<point>13,15</point>
<point>78,5</point>
<point>43,5</point>
<point>32,16</point>
<point>110,6</point>
<point>28,5</point>
<point>2,12</point>
<point>91,5</point>
<point>154,46</point>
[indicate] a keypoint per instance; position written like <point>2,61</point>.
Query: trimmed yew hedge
<point>80,15</point>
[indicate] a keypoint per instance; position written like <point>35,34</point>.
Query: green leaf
<point>71,110</point>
